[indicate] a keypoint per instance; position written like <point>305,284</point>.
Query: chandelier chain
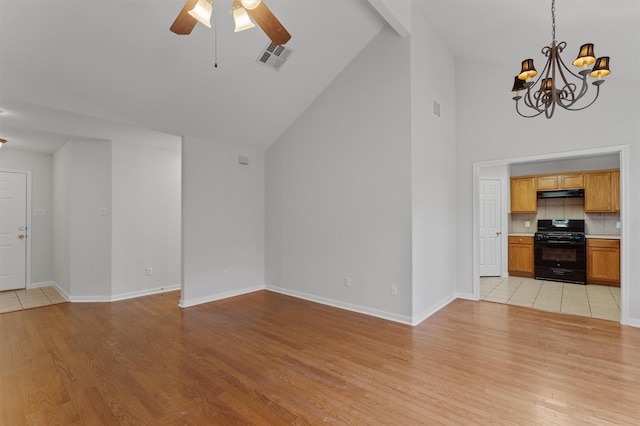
<point>553,21</point>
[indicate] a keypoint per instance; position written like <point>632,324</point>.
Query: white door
<point>13,230</point>
<point>490,228</point>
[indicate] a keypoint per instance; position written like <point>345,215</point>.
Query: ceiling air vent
<point>274,56</point>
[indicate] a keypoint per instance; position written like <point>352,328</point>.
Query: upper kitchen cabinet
<point>602,191</point>
<point>615,189</point>
<point>523,195</point>
<point>563,181</point>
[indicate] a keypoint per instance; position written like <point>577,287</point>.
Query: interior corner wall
<point>90,220</point>
<point>222,221</point>
<point>339,189</point>
<point>62,175</point>
<point>146,219</point>
<point>433,165</point>
<point>488,129</point>
<point>41,232</point>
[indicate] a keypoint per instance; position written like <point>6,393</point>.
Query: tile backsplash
<point>565,208</point>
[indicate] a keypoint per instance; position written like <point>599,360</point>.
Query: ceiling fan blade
<point>184,22</point>
<point>269,24</point>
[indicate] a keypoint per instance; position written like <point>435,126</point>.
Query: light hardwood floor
<point>268,359</point>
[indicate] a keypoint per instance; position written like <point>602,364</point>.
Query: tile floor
<point>16,300</point>
<point>594,301</point>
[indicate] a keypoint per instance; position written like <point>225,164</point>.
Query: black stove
<point>560,250</point>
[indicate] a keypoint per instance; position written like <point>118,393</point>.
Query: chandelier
<point>557,84</point>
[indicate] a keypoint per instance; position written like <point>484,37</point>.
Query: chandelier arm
<point>527,97</point>
<point>569,69</point>
<point>527,116</point>
<point>588,105</point>
<point>569,88</point>
<point>549,111</point>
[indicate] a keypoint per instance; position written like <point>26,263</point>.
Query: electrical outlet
<point>393,289</point>
<point>347,282</point>
<point>527,224</point>
<point>149,271</point>
<point>618,225</point>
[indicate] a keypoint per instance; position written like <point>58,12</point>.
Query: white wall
<point>600,162</point>
<point>90,220</point>
<point>339,189</point>
<point>62,173</point>
<point>489,129</point>
<point>433,151</point>
<point>146,219</point>
<point>41,232</point>
<point>223,221</point>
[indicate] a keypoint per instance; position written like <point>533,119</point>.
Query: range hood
<point>563,193</point>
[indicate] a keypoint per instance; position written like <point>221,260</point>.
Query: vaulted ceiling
<point>99,69</point>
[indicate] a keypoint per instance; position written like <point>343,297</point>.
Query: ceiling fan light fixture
<point>241,17</point>
<point>250,4</point>
<point>202,12</point>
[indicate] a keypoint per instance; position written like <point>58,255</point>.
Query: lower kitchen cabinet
<point>521,256</point>
<point>603,262</point>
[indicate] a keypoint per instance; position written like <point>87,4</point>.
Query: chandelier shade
<point>528,71</point>
<point>601,68</point>
<point>556,84</point>
<point>518,85</point>
<point>586,56</point>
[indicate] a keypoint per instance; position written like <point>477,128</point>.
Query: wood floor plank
<point>269,359</point>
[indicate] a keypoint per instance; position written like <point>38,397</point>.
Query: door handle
<point>21,237</point>
<point>498,233</point>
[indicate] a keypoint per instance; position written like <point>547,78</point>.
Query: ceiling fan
<point>195,11</point>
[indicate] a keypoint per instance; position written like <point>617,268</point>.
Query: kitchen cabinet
<point>615,189</point>
<point>599,189</point>
<point>562,181</point>
<point>523,195</point>
<point>603,262</point>
<point>521,256</point>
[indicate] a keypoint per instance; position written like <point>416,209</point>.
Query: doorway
<point>14,221</point>
<point>513,283</point>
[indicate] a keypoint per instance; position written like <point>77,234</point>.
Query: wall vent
<point>436,108</point>
<point>274,56</point>
<point>244,160</point>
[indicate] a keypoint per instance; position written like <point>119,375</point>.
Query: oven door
<point>560,261</point>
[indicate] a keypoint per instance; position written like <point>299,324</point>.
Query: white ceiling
<point>101,69</point>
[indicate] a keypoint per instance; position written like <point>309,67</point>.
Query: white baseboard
<point>466,296</point>
<point>42,284</point>
<point>218,296</point>
<point>417,319</point>
<point>117,297</point>
<point>632,322</point>
<point>403,319</point>
<point>146,292</point>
